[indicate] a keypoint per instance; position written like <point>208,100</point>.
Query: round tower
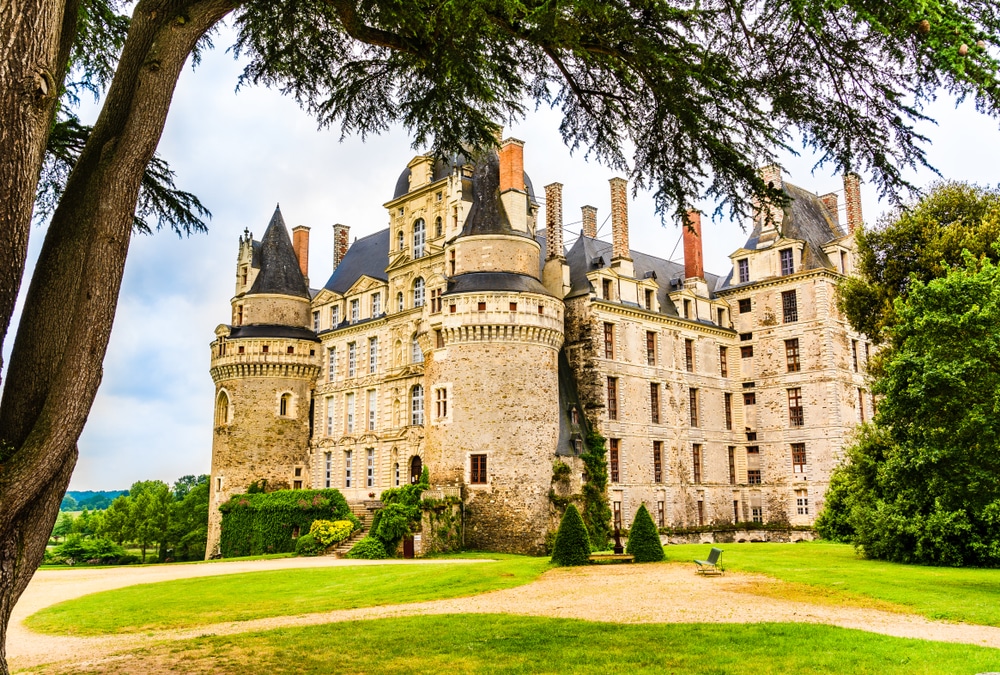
<point>264,367</point>
<point>492,366</point>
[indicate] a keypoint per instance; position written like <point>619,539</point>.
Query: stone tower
<point>491,368</point>
<point>264,366</point>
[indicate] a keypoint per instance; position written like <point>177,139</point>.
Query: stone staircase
<point>365,516</point>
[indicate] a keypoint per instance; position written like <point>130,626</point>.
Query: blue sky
<point>242,153</point>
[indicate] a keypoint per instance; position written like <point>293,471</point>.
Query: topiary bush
<point>572,545</point>
<point>308,545</point>
<point>643,539</point>
<point>328,532</point>
<point>368,548</point>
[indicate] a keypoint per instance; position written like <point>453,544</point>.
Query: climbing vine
<point>596,510</point>
<point>259,523</point>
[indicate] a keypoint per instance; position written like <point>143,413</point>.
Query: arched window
<point>416,352</point>
<point>285,405</point>
<point>416,468</point>
<point>417,405</point>
<point>418,292</point>
<point>399,301</point>
<point>395,473</point>
<point>400,239</point>
<point>419,238</point>
<point>437,227</point>
<point>222,409</point>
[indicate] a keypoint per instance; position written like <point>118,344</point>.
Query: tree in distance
<point>700,95</point>
<point>643,539</point>
<point>572,545</point>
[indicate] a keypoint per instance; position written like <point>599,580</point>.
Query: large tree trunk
<point>55,366</point>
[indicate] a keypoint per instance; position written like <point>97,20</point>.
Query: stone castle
<point>466,338</point>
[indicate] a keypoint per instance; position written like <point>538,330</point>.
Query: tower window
<point>291,349</point>
<point>689,355</point>
<point>745,306</point>
<point>693,405</point>
<point>612,398</point>
<point>723,362</point>
<point>609,341</point>
<point>285,405</point>
<point>435,300</point>
<point>419,238</point>
<point>792,355</point>
<point>477,473</point>
<point>650,348</point>
<point>264,349</point>
<point>441,402</point>
<point>654,402</point>
<point>482,307</point>
<point>728,401</point>
<point>222,409</point>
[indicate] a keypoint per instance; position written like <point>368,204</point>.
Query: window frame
<point>798,457</point>
<point>792,360</point>
<point>612,398</point>
<point>789,306</point>
<point>417,405</point>
<point>786,259</point>
<point>796,409</point>
<point>654,402</point>
<point>693,406</point>
<point>743,270</point>
<point>614,460</point>
<point>478,466</point>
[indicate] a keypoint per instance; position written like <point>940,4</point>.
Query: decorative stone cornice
<point>639,313</point>
<point>228,368</point>
<point>779,281</point>
<point>503,333</point>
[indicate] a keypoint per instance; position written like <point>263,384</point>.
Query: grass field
<point>241,597</point>
<point>957,594</point>
<point>508,644</point>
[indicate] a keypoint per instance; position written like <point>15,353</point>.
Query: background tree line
<point>173,522</point>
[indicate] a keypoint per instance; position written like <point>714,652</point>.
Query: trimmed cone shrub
<point>643,539</point>
<point>369,548</point>
<point>572,545</point>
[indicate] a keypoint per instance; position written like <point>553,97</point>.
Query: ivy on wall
<point>596,510</point>
<point>259,523</point>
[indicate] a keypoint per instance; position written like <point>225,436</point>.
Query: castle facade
<point>466,338</point>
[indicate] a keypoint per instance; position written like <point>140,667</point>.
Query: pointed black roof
<point>487,214</point>
<point>279,268</point>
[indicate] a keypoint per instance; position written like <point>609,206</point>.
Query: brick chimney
<point>832,205</point>
<point>553,221</point>
<point>771,175</point>
<point>589,221</point>
<point>300,243</point>
<point>694,265</point>
<point>852,200</point>
<point>341,241</point>
<point>511,165</point>
<point>619,219</point>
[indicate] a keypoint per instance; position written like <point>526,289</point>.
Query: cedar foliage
<point>572,545</point>
<point>256,524</point>
<point>596,510</point>
<point>643,539</point>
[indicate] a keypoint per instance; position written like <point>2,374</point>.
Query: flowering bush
<point>328,532</point>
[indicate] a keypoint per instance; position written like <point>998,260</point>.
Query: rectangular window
<point>373,355</point>
<point>732,465</point>
<point>513,306</point>
<point>701,512</point>
<point>757,514</point>
<point>787,261</point>
<point>657,461</point>
<point>745,306</point>
<point>746,351</point>
<point>649,299</point>
<point>790,306</point>
<point>802,502</point>
<point>854,355</point>
<point>753,476</point>
<point>689,355</point>
<point>347,468</point>
<point>334,316</point>
<point>477,472</point>
<point>376,304</point>
<point>609,341</point>
<point>687,309</point>
<point>796,416</point>
<point>316,321</point>
<point>352,359</point>
<point>743,267</point>
<point>728,402</point>
<point>328,469</point>
<point>349,408</point>
<point>613,459</point>
<point>441,403</point>
<point>606,288</point>
<point>798,457</point>
<point>617,511</point>
<point>696,462</point>
<point>482,306</point>
<point>372,409</point>
<point>721,314</point>
<point>724,361</point>
<point>612,398</point>
<point>331,364</point>
<point>329,416</point>
<point>746,337</point>
<point>355,311</point>
<point>736,510</point>
<point>861,404</point>
<point>843,262</point>
<point>749,398</point>
<point>654,402</point>
<point>650,348</point>
<point>439,339</point>
<point>436,301</point>
<point>296,485</point>
<point>792,355</point>
<point>693,405</point>
<point>370,478</point>
<point>660,516</point>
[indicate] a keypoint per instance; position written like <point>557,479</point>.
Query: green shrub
<point>328,532</point>
<point>643,539</point>
<point>78,549</point>
<point>572,545</point>
<point>368,548</point>
<point>260,523</point>
<point>308,545</point>
<point>355,522</point>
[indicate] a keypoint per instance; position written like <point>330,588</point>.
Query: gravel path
<point>670,594</point>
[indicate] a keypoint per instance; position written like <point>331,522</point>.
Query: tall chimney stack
<point>619,219</point>
<point>341,241</point>
<point>553,221</point>
<point>832,205</point>
<point>589,221</point>
<point>771,175</point>
<point>511,165</point>
<point>694,265</point>
<point>852,200</point>
<point>300,244</point>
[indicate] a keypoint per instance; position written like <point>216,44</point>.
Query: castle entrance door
<point>416,468</point>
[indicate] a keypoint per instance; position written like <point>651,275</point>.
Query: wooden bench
<point>611,558</point>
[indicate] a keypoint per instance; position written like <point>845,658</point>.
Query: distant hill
<point>92,500</point>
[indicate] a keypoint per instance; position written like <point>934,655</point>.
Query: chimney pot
<point>619,218</point>
<point>694,265</point>
<point>589,221</point>
<point>553,221</point>
<point>852,200</point>
<point>300,244</point>
<point>511,165</point>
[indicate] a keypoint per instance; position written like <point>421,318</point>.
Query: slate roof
<point>487,214</point>
<point>471,282</point>
<point>442,169</point>
<point>279,268</point>
<point>272,331</point>
<point>368,255</point>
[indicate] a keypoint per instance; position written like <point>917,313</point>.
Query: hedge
<point>260,523</point>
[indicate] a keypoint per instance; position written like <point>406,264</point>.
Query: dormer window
<point>355,310</point>
<point>419,238</point>
<point>687,309</point>
<point>649,299</point>
<point>376,304</point>
<point>787,261</point>
<point>743,269</point>
<point>334,316</point>
<point>606,289</point>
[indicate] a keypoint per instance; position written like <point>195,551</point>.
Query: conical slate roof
<point>279,268</point>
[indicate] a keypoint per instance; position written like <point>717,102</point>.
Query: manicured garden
<point>510,644</point>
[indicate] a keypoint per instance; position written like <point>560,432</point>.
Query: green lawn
<point>958,594</point>
<point>475,643</point>
<point>241,597</point>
